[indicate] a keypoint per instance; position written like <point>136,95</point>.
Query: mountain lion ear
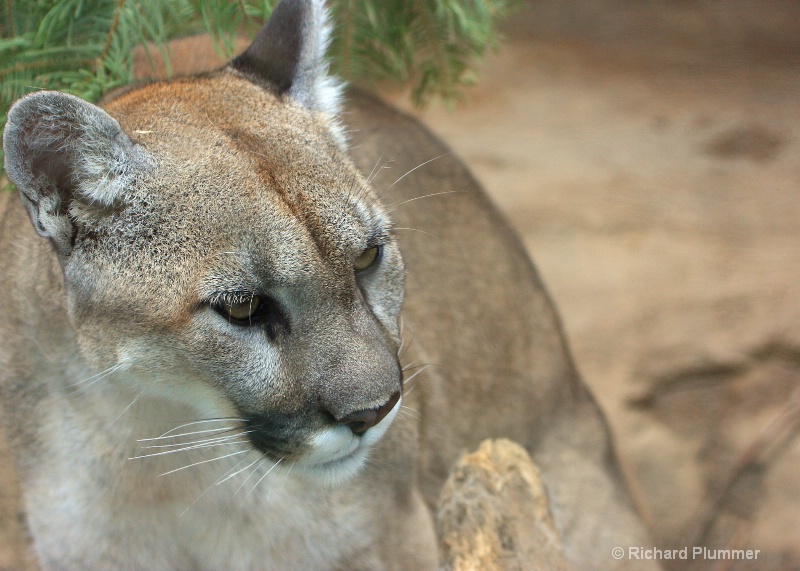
<point>289,53</point>
<point>60,150</point>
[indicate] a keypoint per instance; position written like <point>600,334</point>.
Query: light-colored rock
<point>494,515</point>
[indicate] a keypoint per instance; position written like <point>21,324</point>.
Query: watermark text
<point>685,553</point>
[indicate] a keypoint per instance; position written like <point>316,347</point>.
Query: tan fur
<point>230,185</point>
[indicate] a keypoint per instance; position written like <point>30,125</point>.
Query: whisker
<point>412,170</point>
<point>412,365</point>
<point>204,462</point>
<point>359,194</point>
<point>402,326</point>
<point>372,459</point>
<point>237,472</point>
<point>239,463</point>
<point>133,402</point>
<point>409,379</point>
<point>415,230</point>
<point>96,377</point>
<point>393,207</point>
<point>250,475</point>
<point>204,492</point>
<point>403,347</point>
<point>199,447</point>
<point>225,419</point>
<point>374,172</point>
<point>217,430</point>
<point>406,414</point>
<point>262,477</point>
<point>407,390</point>
<point>192,447</point>
<point>198,442</point>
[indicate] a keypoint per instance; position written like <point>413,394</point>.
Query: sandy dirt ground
<point>649,155</point>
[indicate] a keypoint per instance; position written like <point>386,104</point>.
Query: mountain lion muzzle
<point>250,330</point>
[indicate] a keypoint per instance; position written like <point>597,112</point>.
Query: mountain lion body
<point>203,363</point>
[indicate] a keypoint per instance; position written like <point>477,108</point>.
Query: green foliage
<point>84,47</point>
<point>430,45</point>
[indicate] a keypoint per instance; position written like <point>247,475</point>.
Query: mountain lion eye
<point>367,258</point>
<point>240,310</point>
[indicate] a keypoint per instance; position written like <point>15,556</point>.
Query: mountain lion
<point>254,331</point>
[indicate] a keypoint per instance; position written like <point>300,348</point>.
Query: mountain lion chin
<point>337,454</point>
<point>335,471</point>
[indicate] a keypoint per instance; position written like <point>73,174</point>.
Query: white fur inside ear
<point>105,170</point>
<point>314,87</point>
<point>52,135</point>
<point>60,149</point>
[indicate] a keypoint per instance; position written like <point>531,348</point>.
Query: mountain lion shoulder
<point>233,340</point>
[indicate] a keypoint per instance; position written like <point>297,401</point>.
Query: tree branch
<point>110,36</point>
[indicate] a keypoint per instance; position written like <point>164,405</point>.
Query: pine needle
<point>86,48</point>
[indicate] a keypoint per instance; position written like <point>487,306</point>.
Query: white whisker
<point>392,207</point>
<point>192,447</point>
<point>126,408</point>
<point>409,408</point>
<point>193,443</point>
<point>409,412</point>
<point>96,377</point>
<point>415,230</point>
<point>204,462</point>
<point>262,477</point>
<point>407,389</point>
<point>409,379</point>
<point>415,168</point>
<point>404,415</point>
<point>237,472</point>
<point>204,492</point>
<point>217,430</point>
<point>250,475</point>
<point>411,365</point>
<point>373,173</point>
<point>201,422</point>
<point>403,346</point>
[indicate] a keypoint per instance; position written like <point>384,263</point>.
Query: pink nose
<point>362,420</point>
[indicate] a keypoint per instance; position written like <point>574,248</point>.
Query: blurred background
<point>649,155</point>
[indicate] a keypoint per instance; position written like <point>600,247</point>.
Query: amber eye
<point>240,309</point>
<point>367,258</point>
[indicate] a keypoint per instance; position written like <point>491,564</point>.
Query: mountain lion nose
<point>362,420</point>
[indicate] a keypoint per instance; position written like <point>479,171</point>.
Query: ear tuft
<point>59,148</point>
<point>289,53</point>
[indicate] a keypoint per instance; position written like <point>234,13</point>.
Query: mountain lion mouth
<point>331,455</point>
<point>337,468</point>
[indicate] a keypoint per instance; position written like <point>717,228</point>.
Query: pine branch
<point>85,48</point>
<point>110,36</point>
<point>12,29</point>
<point>439,69</point>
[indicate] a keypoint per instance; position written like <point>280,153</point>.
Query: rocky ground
<point>649,155</point>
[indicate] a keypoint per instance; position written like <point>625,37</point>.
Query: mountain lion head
<point>219,248</point>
